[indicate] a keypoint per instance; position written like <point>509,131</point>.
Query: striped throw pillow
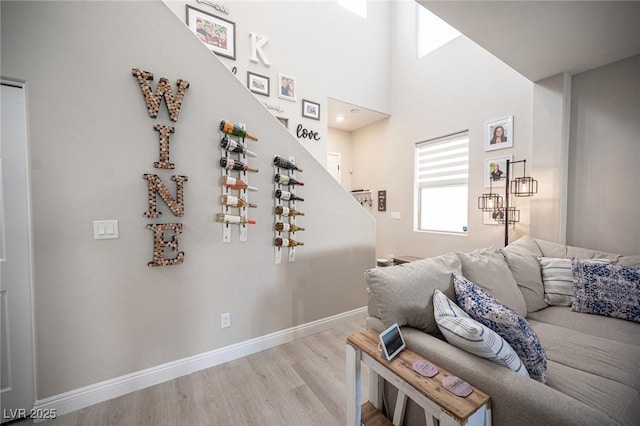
<point>465,333</point>
<point>557,279</point>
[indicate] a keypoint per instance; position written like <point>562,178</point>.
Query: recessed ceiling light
<point>339,118</point>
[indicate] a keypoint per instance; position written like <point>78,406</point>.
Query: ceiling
<point>539,39</point>
<point>355,117</point>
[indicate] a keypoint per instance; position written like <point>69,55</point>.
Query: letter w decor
<point>155,184</point>
<point>163,90</point>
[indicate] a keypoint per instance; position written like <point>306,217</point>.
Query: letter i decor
<point>284,180</point>
<point>154,182</point>
<point>232,144</point>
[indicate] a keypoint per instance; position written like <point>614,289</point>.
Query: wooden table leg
<point>354,385</point>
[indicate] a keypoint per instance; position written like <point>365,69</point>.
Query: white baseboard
<point>113,388</point>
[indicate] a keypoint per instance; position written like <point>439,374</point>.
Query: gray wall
<point>100,311</point>
<point>604,155</point>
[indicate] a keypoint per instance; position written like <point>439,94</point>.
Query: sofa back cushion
<point>488,269</point>
<point>522,258</point>
<point>403,294</point>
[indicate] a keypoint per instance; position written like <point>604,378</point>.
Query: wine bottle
<point>230,200</point>
<point>231,218</point>
<point>286,242</point>
<point>233,183</point>
<point>286,211</point>
<point>285,164</point>
<point>228,127</point>
<point>288,227</point>
<point>286,195</point>
<point>231,164</point>
<point>234,146</point>
<point>286,180</point>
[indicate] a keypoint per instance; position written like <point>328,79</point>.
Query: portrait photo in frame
<point>498,133</point>
<point>495,171</point>
<point>258,83</point>
<point>310,109</point>
<point>217,33</point>
<point>286,87</point>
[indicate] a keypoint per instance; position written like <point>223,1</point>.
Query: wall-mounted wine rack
<point>285,198</point>
<point>235,180</point>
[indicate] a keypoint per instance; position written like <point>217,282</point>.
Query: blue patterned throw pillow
<point>510,325</point>
<point>609,290</point>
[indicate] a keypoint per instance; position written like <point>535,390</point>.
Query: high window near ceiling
<point>359,7</point>
<point>441,182</point>
<point>433,32</point>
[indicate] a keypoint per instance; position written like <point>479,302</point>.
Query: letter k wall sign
<point>257,43</point>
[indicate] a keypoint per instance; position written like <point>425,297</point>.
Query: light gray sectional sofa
<point>592,360</point>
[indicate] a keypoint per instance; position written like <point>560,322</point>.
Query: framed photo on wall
<point>286,87</point>
<point>217,33</point>
<point>310,109</point>
<point>495,171</point>
<point>258,83</point>
<point>498,133</point>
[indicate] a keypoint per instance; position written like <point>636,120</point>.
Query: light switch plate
<point>105,229</point>
<point>395,215</point>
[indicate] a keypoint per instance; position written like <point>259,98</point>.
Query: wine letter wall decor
<point>154,182</point>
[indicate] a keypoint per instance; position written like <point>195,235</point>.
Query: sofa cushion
<point>522,258</point>
<point>593,325</point>
<point>469,335</point>
<point>609,290</point>
<point>506,322</point>
<point>597,371</point>
<point>551,249</point>
<point>488,269</point>
<point>403,293</point>
<point>628,261</point>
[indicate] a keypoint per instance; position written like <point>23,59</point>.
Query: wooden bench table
<point>441,406</point>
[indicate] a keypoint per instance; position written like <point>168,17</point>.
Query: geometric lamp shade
<point>489,202</point>
<point>524,186</point>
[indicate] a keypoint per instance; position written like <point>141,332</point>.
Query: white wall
<point>101,312</point>
<point>457,87</point>
<point>604,158</point>
<point>331,51</point>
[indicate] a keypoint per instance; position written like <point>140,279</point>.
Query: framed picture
<point>310,109</point>
<point>217,33</point>
<point>495,171</point>
<point>284,121</point>
<point>498,133</point>
<point>287,87</point>
<point>258,83</point>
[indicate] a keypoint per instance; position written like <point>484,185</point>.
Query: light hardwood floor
<point>298,383</point>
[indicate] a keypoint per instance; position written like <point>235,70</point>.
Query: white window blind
<point>442,175</point>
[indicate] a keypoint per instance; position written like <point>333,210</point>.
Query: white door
<point>333,165</point>
<point>17,391</point>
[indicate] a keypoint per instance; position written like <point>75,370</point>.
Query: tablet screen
<point>392,341</point>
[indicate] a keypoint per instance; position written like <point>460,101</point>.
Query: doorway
<point>17,378</point>
<point>333,165</point>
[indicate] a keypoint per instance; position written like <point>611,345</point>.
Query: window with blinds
<point>442,177</point>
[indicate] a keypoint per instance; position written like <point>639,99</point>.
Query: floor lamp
<point>523,186</point>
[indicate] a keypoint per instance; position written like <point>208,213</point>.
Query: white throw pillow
<point>465,333</point>
<point>557,279</point>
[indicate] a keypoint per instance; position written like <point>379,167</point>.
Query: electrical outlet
<point>225,320</point>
